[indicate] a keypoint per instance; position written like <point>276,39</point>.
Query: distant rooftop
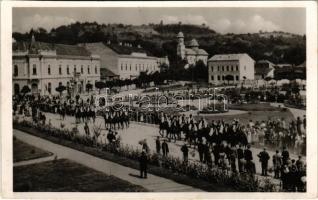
<point>220,57</point>
<point>61,49</point>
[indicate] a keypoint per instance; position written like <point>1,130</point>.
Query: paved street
<point>153,183</point>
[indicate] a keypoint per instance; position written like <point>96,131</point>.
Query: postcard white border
<point>6,102</point>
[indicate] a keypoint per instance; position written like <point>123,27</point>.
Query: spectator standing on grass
<point>240,157</point>
<point>143,162</point>
<point>248,155</point>
<point>145,146</point>
<point>165,148</point>
<point>263,158</point>
<point>277,164</point>
<point>158,145</point>
<point>185,152</point>
<point>285,156</point>
<point>86,129</point>
<point>298,124</point>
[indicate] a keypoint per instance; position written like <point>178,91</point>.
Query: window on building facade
<point>212,78</point>
<point>60,69</point>
<point>130,67</point>
<point>49,70</point>
<point>16,70</point>
<point>126,67</point>
<point>218,68</point>
<point>67,69</point>
<point>82,70</point>
<point>237,78</point>
<point>237,68</point>
<point>211,68</point>
<point>34,69</point>
<point>222,68</point>
<point>88,69</point>
<point>219,78</point>
<point>231,67</point>
<point>74,69</point>
<point>121,67</point>
<point>222,78</point>
<point>96,70</point>
<point>227,68</point>
<point>49,88</point>
<point>136,67</point>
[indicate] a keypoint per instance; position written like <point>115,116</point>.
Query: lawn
<point>23,151</point>
<point>255,107</point>
<point>252,115</point>
<point>67,176</point>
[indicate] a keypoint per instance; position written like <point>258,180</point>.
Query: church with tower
<point>192,53</point>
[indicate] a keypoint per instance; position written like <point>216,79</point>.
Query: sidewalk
<point>153,183</point>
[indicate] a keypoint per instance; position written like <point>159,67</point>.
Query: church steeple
<point>181,46</point>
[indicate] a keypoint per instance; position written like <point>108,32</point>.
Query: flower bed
<point>193,174</point>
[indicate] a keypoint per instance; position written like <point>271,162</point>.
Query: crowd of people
<point>226,145</point>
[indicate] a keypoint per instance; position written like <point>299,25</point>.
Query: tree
<point>267,79</point>
<point>25,90</point>
<point>89,87</point>
<point>100,85</point>
<point>60,89</point>
<point>229,78</point>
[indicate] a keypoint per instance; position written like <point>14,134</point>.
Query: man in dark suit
<point>165,148</point>
<point>185,152</point>
<point>240,157</point>
<point>143,161</point>
<point>263,158</point>
<point>248,155</point>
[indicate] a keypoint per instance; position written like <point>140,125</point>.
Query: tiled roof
<point>104,72</point>
<point>201,52</point>
<point>265,61</point>
<point>219,57</point>
<point>262,70</point>
<point>125,50</point>
<point>61,49</point>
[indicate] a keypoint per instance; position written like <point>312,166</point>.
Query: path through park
<point>153,183</point>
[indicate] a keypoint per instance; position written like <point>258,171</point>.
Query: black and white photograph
<point>160,99</point>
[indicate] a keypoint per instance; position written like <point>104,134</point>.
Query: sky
<point>222,20</point>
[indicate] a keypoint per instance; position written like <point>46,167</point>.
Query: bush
<point>174,165</point>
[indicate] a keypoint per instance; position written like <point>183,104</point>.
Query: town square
<point>159,105</point>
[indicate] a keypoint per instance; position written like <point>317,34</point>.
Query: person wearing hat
<point>263,158</point>
<point>143,161</point>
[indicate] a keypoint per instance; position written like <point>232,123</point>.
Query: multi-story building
<point>123,60</point>
<point>263,69</point>
<point>193,53</point>
<point>230,67</point>
<point>44,66</point>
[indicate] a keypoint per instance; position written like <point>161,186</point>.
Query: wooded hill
<point>160,40</point>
